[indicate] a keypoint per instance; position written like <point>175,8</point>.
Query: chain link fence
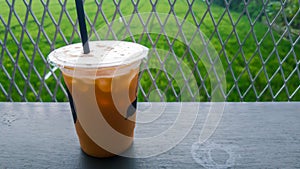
<point>256,41</point>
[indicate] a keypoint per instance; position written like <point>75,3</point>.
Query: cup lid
<point>102,54</point>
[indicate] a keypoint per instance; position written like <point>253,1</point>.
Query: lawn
<point>246,79</point>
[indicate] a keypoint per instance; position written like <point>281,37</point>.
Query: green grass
<point>234,48</point>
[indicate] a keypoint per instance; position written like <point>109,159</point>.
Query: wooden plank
<point>252,135</point>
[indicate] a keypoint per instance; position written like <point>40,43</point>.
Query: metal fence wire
<point>256,41</point>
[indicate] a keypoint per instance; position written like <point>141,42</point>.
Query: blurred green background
<point>243,39</point>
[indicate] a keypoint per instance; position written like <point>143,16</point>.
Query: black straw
<point>85,44</point>
<point>82,26</point>
<point>72,105</point>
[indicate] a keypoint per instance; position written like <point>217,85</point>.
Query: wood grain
<point>250,135</point>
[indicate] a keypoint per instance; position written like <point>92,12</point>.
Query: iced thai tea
<point>102,88</point>
<point>112,99</point>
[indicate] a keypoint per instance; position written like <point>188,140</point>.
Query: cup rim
<point>77,59</point>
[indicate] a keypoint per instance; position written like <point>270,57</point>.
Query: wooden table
<point>249,135</point>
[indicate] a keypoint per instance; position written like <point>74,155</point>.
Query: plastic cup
<point>103,86</point>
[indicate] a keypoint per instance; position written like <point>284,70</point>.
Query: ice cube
<point>104,84</point>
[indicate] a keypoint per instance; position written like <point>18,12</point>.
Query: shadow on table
<point>113,162</point>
